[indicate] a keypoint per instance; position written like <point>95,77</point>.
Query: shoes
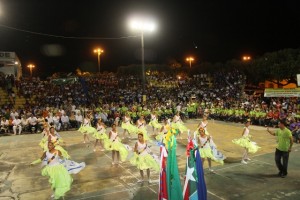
<point>113,163</point>
<point>248,159</point>
<point>140,181</point>
<point>279,174</point>
<point>102,150</point>
<point>283,175</point>
<point>244,162</point>
<point>211,170</point>
<point>149,181</point>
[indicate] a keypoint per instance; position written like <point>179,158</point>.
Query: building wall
<point>10,64</point>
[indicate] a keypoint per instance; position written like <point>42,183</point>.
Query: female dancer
<point>43,143</point>
<point>71,166</point>
<point>141,123</point>
<point>246,143</point>
<point>178,124</point>
<point>204,124</point>
<point>100,135</point>
<point>142,159</point>
<point>154,122</point>
<point>86,128</point>
<point>127,126</point>
<point>59,177</point>
<point>119,151</point>
<point>163,131</point>
<point>56,139</point>
<point>204,144</point>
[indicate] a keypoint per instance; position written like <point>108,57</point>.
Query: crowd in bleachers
<point>221,95</point>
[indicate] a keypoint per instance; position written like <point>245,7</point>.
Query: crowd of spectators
<point>221,95</point>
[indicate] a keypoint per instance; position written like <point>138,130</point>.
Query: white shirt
<point>4,122</point>
<point>13,115</point>
<point>64,119</point>
<point>56,119</point>
<point>16,122</point>
<point>32,120</point>
<point>78,118</point>
<point>50,119</point>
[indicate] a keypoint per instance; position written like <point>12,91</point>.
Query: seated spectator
<point>4,125</point>
<point>57,122</point>
<point>73,122</point>
<point>79,119</point>
<point>33,123</point>
<point>17,124</point>
<point>65,122</point>
<point>24,123</point>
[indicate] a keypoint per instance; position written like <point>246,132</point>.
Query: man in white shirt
<point>65,121</point>
<point>24,123</point>
<point>14,114</point>
<point>79,119</point>
<point>56,122</point>
<point>33,123</point>
<point>50,119</point>
<point>17,124</point>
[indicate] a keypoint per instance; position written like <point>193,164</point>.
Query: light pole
<point>30,66</point>
<point>98,51</point>
<point>190,59</point>
<point>142,26</point>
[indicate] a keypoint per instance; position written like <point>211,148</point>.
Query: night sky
<point>213,31</point>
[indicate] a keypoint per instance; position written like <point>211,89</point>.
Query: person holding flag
<point>204,144</point>
<point>59,178</point>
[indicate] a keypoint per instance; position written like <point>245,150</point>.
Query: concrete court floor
<point>102,181</point>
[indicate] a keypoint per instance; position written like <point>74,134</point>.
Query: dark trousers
<point>35,128</point>
<point>282,166</point>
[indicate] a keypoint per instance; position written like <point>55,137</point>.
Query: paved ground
<point>101,181</point>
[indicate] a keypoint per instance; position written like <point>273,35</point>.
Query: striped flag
<point>163,192</point>
<point>190,185</point>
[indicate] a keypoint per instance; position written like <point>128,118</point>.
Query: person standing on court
<point>284,147</point>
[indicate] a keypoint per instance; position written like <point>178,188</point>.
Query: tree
<point>278,66</point>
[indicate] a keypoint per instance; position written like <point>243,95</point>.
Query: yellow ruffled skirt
<point>144,161</point>
<point>59,179</point>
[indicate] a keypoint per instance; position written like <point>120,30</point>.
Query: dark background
<point>213,31</point>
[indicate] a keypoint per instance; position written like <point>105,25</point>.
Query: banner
<point>295,92</point>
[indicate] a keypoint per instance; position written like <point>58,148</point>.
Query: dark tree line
<point>274,66</point>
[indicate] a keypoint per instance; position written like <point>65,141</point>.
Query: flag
<point>163,192</point>
<point>201,186</point>
<point>190,185</point>
<point>173,179</point>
